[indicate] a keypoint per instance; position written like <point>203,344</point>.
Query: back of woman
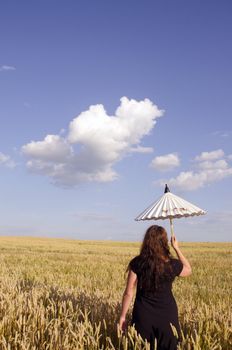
<point>155,313</point>
<point>155,284</point>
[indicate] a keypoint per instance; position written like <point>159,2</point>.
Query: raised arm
<point>127,298</point>
<point>187,270</point>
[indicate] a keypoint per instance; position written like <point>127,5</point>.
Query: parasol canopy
<point>170,206</point>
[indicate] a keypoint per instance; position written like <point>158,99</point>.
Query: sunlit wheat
<point>66,295</point>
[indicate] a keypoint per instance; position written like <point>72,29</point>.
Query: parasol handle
<point>172,229</point>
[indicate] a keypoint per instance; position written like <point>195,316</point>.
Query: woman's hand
<point>187,270</point>
<point>122,324</point>
<point>174,242</point>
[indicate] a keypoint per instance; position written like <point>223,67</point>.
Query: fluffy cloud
<point>53,148</point>
<point>94,143</point>
<point>207,165</point>
<point>6,161</point>
<point>208,171</point>
<point>213,155</point>
<point>6,68</point>
<point>140,149</point>
<point>165,162</point>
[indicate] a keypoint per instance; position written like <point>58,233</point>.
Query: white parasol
<point>169,206</point>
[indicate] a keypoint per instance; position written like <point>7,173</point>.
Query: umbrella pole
<point>172,229</point>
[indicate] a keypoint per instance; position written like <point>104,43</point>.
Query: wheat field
<point>58,294</point>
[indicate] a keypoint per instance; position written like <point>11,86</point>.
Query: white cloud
<point>6,68</point>
<point>95,142</point>
<point>208,172</point>
<point>6,160</point>
<point>186,180</point>
<point>213,155</point>
<point>191,181</point>
<point>140,149</point>
<point>229,156</point>
<point>53,148</point>
<point>3,158</point>
<point>219,164</point>
<point>165,162</point>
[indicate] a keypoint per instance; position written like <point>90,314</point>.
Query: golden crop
<point>58,294</point>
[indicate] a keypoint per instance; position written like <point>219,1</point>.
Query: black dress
<point>155,311</point>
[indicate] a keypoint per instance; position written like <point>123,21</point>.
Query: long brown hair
<point>153,259</point>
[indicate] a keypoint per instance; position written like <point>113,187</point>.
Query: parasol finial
<point>166,189</point>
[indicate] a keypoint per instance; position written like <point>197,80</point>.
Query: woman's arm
<point>127,298</point>
<point>187,270</point>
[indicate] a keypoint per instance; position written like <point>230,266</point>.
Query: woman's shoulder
<point>135,260</point>
<point>134,263</point>
<point>177,266</point>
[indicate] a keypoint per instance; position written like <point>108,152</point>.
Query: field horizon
<point>102,240</point>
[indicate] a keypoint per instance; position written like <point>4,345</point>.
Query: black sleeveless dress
<point>155,312</point>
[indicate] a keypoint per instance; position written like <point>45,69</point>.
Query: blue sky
<point>71,170</point>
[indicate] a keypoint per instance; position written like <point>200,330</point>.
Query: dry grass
<point>64,294</point>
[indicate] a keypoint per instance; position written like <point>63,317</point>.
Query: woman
<point>153,271</point>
